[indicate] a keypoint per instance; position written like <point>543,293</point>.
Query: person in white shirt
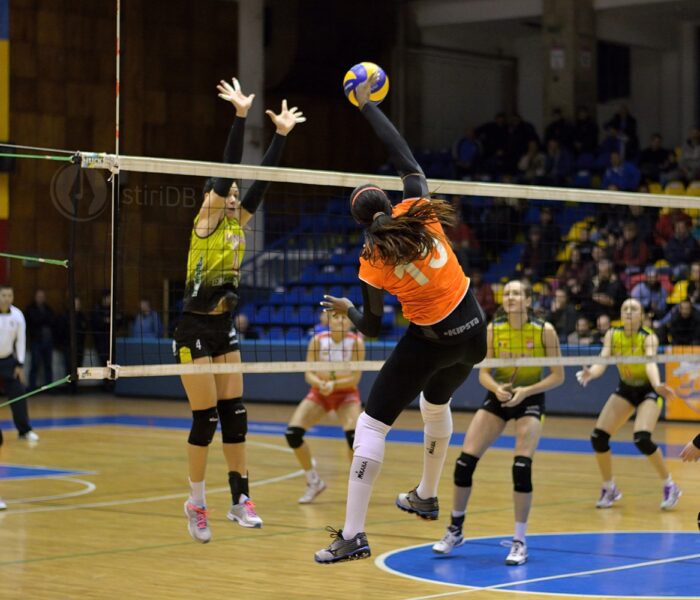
<point>13,347</point>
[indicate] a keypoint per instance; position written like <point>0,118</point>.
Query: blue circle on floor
<point>612,564</point>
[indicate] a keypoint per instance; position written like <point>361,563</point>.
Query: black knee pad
<point>203,428</point>
<point>295,436</point>
<point>600,440</point>
<point>234,420</point>
<point>350,437</point>
<point>522,474</point>
<point>642,439</point>
<point>464,469</point>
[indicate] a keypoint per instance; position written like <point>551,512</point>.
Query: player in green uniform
<point>513,393</point>
<point>206,334</point>
<point>640,388</point>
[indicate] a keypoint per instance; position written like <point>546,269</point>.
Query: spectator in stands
<point>551,233</point>
<point>41,321</point>
<point>560,129</point>
<point>643,218</point>
<point>607,294</point>
<point>622,174</point>
<point>532,164</point>
<point>651,294</point>
<point>63,338</point>
<point>466,152</point>
<point>655,161</point>
<point>689,163</point>
<point>99,325</point>
<point>683,328</point>
<point>563,315</point>
<point>631,253</point>
<point>665,226</point>
<point>559,165</point>
<point>584,335</point>
<point>611,142</point>
<point>537,260</point>
<point>464,241</point>
<point>493,139</point>
<point>542,298</point>
<point>626,126</point>
<point>584,244</point>
<point>483,292</point>
<point>585,132</point>
<point>147,323</point>
<point>498,226</point>
<point>682,248</point>
<point>520,134</point>
<point>694,283</point>
<point>602,324</point>
<point>573,270</point>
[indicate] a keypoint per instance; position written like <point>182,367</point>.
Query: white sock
<point>608,485</point>
<point>435,451</point>
<point>197,493</point>
<point>363,473</point>
<point>520,529</point>
<point>458,513</point>
<point>437,430</point>
<point>312,476</point>
<point>669,480</point>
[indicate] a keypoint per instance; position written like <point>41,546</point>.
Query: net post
<point>72,318</point>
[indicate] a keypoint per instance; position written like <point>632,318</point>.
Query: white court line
<point>381,563</point>
<point>89,487</point>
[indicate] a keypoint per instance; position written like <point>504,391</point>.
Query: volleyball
<point>359,73</point>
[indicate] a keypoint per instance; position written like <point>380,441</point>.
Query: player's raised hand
<point>234,95</point>
<point>287,118</point>
<point>363,91</point>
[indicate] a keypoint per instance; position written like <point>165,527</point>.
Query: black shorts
<point>636,395</point>
<point>462,323</point>
<point>532,406</point>
<point>204,335</point>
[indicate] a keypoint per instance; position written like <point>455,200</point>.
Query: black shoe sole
<point>426,516</point>
<point>357,555</point>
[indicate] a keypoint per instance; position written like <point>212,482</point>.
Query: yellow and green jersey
<point>625,345</point>
<point>213,265</point>
<point>509,342</point>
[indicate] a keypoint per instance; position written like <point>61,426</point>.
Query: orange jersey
<point>429,288</point>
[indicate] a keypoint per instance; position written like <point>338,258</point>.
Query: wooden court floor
<point>117,530</point>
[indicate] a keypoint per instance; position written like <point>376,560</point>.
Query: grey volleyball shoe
<point>341,550</point>
<point>425,508</point>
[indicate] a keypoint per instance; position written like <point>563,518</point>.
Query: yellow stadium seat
<point>679,292</point>
<point>497,289</point>
<point>675,188</point>
<point>655,188</point>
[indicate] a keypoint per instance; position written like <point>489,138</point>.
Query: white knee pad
<point>437,418</point>
<point>370,436</point>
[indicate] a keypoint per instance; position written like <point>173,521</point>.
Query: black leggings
<point>418,365</point>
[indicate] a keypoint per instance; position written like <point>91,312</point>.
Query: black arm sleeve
<point>696,441</point>
<point>369,323</point>
<point>414,183</point>
<point>254,196</point>
<point>233,152</point>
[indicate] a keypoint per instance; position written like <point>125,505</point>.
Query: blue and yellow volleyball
<point>359,73</point>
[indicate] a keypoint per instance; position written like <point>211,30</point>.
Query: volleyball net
<point>132,236</point>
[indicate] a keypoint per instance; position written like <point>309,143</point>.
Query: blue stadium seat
<point>293,295</point>
<point>294,334</point>
<point>278,298</point>
<point>262,315</point>
<point>276,333</point>
<point>277,316</point>
<point>307,316</point>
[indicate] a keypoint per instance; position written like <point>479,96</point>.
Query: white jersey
<point>13,334</point>
<point>330,351</point>
<point>335,352</point>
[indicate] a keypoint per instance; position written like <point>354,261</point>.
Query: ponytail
<point>406,238</point>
